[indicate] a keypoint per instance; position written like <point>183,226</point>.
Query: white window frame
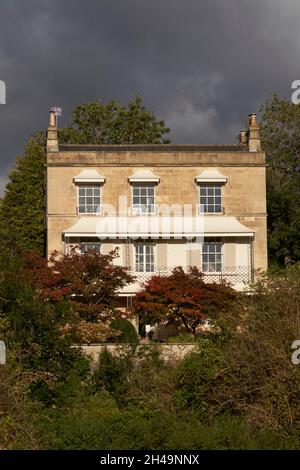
<point>144,245</point>
<point>221,253</point>
<point>92,186</point>
<point>202,206</point>
<point>135,208</point>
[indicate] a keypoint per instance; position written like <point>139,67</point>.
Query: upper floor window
<point>210,197</point>
<point>212,256</point>
<point>89,200</point>
<point>143,198</point>
<point>144,257</point>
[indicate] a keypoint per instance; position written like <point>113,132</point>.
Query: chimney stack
<point>253,134</point>
<point>52,139</point>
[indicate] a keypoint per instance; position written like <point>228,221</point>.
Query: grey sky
<point>202,65</point>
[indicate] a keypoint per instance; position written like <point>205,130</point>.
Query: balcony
<point>238,277</point>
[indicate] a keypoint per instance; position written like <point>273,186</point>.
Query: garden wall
<point>168,352</point>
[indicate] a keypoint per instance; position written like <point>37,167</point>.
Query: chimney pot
<point>243,137</point>
<point>52,119</point>
<point>252,119</point>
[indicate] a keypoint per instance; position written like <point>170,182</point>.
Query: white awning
<point>211,176</point>
<point>158,227</point>
<point>215,226</point>
<point>143,176</point>
<point>89,176</point>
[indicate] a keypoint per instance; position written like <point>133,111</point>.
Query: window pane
<point>143,199</point>
<point>89,200</point>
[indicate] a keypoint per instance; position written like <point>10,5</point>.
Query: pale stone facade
<point>92,189</point>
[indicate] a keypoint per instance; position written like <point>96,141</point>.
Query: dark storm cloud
<point>200,65</point>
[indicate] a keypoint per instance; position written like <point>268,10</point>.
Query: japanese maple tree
<point>182,299</point>
<point>90,281</point>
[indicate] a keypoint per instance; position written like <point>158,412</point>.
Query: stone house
<point>161,205</point>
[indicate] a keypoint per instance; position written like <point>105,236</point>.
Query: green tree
<point>112,123</point>
<point>281,141</point>
<point>38,336</point>
<point>22,209</point>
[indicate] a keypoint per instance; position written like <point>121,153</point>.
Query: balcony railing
<point>232,275</point>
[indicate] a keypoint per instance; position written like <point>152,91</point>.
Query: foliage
<point>151,382</point>
<point>113,123</point>
<point>240,390</point>
<point>35,336</point>
<point>248,371</point>
<point>98,424</point>
<point>184,338</point>
<point>23,205</point>
<point>95,332</point>
<point>182,299</point>
<point>90,281</point>
<point>16,433</point>
<point>113,371</point>
<point>281,142</point>
<point>128,332</point>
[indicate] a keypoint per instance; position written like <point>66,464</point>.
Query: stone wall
<point>171,353</point>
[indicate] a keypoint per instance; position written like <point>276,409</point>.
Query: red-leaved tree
<point>90,281</point>
<point>182,299</point>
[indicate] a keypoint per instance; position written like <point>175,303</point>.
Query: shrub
<point>151,382</point>
<point>95,332</point>
<point>196,376</point>
<point>16,430</point>
<point>248,371</point>
<point>128,332</point>
<point>136,429</point>
<point>36,338</point>
<point>113,372</point>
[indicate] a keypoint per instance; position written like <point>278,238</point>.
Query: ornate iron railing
<point>232,275</point>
